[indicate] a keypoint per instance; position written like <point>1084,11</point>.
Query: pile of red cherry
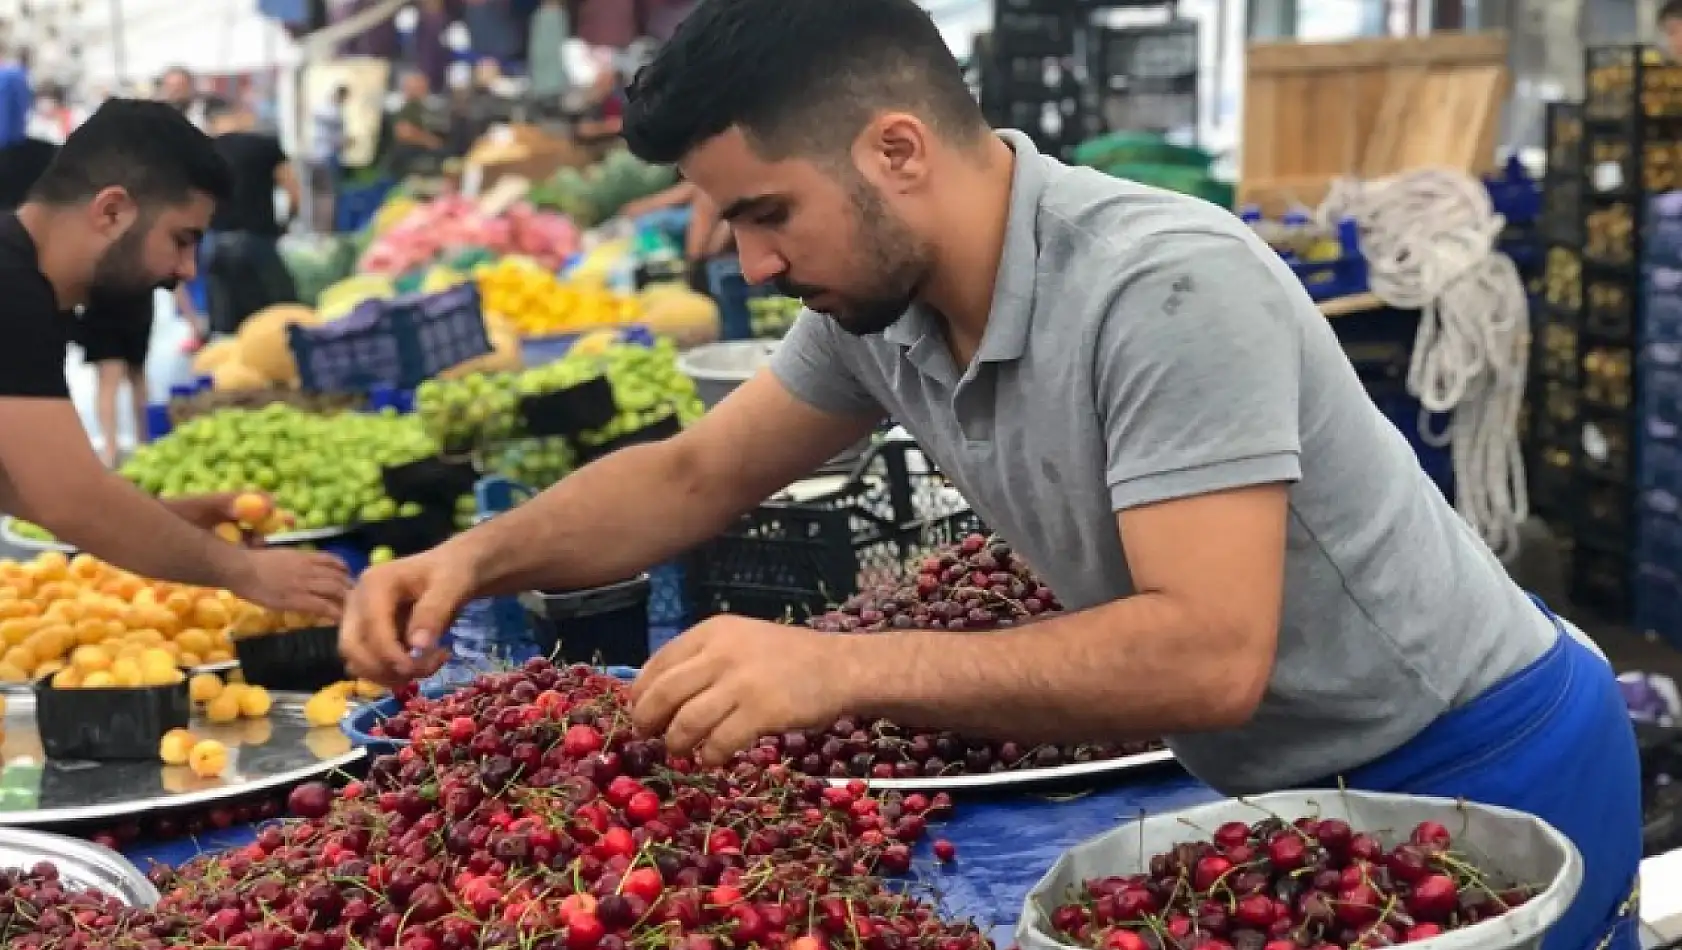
<point>532,818</point>
<point>189,822</point>
<point>881,750</point>
<point>978,584</point>
<point>1314,884</point>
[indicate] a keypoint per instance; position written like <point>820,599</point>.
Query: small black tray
<point>409,535</point>
<point>112,723</point>
<point>655,432</point>
<point>303,660</point>
<point>435,481</point>
<point>603,625</point>
<point>588,405</point>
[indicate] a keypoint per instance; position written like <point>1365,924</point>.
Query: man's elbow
<point>1241,680</point>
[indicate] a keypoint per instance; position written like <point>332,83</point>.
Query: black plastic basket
<point>659,431</point>
<point>803,557</point>
<point>603,626</point>
<point>588,405</point>
<point>398,343</point>
<point>412,534</point>
<point>300,660</point>
<point>109,723</point>
<point>435,481</point>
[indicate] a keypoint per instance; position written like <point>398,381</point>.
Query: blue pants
<point>1553,740</point>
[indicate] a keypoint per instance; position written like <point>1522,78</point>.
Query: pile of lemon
<point>104,626</point>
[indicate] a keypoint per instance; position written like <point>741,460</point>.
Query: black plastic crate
<point>1562,210</point>
<point>789,560</point>
<point>1149,110</point>
<point>1552,479</point>
<point>1564,140</point>
<point>1562,282</point>
<point>1619,161</point>
<point>1608,375</point>
<point>1036,78</point>
<point>1609,311</point>
<point>1630,82</point>
<point>1605,517</point>
<point>1600,583</point>
<point>1605,449</point>
<point>1163,52</point>
<point>1555,412</point>
<point>605,626</point>
<point>1556,354</point>
<point>111,723</point>
<point>1033,33</point>
<point>302,660</point>
<point>1612,234</point>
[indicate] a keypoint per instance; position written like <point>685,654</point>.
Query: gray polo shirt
<point>1144,346</point>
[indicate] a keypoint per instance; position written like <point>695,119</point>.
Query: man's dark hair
<point>147,148</point>
<point>215,107</point>
<point>1671,10</point>
<point>797,76</point>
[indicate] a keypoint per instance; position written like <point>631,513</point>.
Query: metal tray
<point>1018,778</point>
<point>81,864</point>
<point>304,535</point>
<point>278,750</point>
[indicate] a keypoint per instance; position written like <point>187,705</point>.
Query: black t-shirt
<point>36,331</point>
<point>20,165</point>
<point>253,157</point>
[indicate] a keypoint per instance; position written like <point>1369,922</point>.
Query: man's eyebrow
<point>742,206</point>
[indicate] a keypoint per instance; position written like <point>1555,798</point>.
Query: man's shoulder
<point>1087,215</point>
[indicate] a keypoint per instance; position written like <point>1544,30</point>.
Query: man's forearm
<point>119,523</point>
<point>604,523</point>
<point>1136,668</point>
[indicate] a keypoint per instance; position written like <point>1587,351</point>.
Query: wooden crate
<point>1314,112</point>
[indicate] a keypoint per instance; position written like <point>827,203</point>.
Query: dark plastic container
<point>588,405</point>
<point>410,535</point>
<point>435,481</point>
<point>109,723</point>
<point>301,660</point>
<point>659,431</point>
<point>604,626</point>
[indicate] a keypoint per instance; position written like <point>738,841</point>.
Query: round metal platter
<point>1016,778</point>
<point>82,865</point>
<point>272,752</point>
<point>9,534</point>
<point>305,535</point>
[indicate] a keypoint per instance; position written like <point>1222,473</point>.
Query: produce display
<point>1311,883</point>
<point>770,317</point>
<point>595,194</point>
<point>168,826</point>
<point>978,584</point>
<point>207,403</point>
<point>259,356</point>
<point>452,223</point>
<point>483,409</point>
<point>528,294</point>
<point>532,817</point>
<point>536,463</point>
<point>84,616</point>
<point>853,748</point>
<point>323,469</point>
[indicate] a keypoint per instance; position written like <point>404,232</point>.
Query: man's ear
<point>112,212</point>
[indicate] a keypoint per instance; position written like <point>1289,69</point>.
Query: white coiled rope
<point>1429,239</point>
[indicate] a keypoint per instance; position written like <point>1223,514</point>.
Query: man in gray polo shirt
<point>1126,384</point>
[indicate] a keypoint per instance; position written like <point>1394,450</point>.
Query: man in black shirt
<point>244,271</point>
<point>119,213</point>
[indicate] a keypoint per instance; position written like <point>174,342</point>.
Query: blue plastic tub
<point>731,291</point>
<point>354,208</point>
<point>358,725</point>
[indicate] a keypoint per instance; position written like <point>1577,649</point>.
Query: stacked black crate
<point>1145,77</point>
<point>1030,79</point>
<point>1632,131</point>
<point>1554,392</point>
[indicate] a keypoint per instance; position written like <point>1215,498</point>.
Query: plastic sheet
<point>1004,844</point>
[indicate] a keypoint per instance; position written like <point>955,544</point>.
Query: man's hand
<point>209,511</point>
<point>399,612</point>
<point>288,580</point>
<point>729,680</point>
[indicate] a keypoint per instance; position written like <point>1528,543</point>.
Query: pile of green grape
<point>770,317</point>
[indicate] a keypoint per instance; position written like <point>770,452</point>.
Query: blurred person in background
<point>17,99</point>
<point>605,23</point>
<point>117,214</point>
<point>326,165</point>
<point>243,269</point>
<point>1670,28</point>
<point>178,88</point>
<point>418,129</point>
<point>660,18</point>
<point>545,62</point>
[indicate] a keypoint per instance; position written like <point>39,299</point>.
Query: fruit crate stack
<point>1631,150</point>
<point>1658,427</point>
<point>1554,391</point>
<point>1146,77</point>
<point>1029,76</point>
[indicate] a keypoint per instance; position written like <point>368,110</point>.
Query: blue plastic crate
<point>1662,242</point>
<point>668,602</point>
<point>731,291</point>
<point>354,208</point>
<point>1661,399</point>
<point>1346,276</point>
<point>397,343</point>
<point>1514,194</point>
<point>1658,602</point>
<point>1662,309</point>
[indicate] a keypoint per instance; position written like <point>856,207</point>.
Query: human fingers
<point>736,732</point>
<point>673,654</point>
<point>368,634</point>
<point>434,610</point>
<point>693,722</point>
<point>660,695</point>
